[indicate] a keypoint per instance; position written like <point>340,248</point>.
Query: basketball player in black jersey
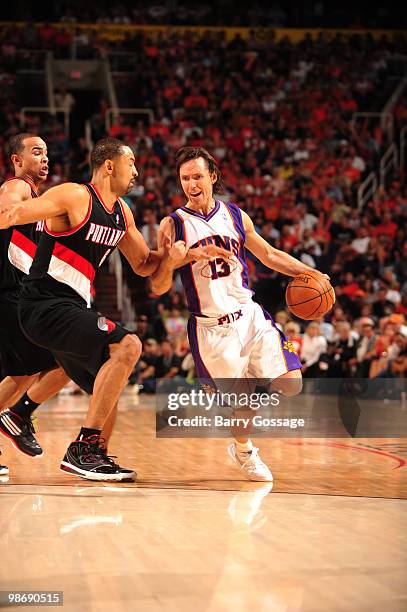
<point>21,360</point>
<point>84,224</point>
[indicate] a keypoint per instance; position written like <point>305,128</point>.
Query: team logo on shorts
<point>209,389</point>
<point>106,325</point>
<point>288,346</point>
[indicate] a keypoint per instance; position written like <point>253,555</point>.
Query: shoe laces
<point>250,458</point>
<point>27,427</point>
<point>109,458</point>
<point>91,447</point>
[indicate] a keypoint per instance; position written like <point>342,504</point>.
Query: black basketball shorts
<point>19,356</point>
<point>78,338</point>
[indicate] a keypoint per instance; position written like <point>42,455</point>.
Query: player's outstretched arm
<point>56,202</point>
<point>172,255</point>
<point>133,246</point>
<point>271,257</point>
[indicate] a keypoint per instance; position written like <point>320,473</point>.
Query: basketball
<point>309,297</point>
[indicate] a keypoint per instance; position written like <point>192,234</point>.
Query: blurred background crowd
<point>279,117</point>
<point>291,13</point>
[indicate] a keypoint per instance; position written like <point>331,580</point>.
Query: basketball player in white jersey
<point>231,336</point>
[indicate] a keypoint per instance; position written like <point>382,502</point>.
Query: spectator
<point>143,328</point>
<point>168,364</point>
<point>64,100</point>
<point>382,307</point>
<point>342,353</point>
<point>176,326</point>
<point>365,350</point>
<point>292,331</point>
<point>313,346</point>
<point>150,228</point>
<point>146,369</point>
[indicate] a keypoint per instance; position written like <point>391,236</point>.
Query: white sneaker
<point>250,464</point>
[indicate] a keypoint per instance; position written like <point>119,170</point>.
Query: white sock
<point>244,447</point>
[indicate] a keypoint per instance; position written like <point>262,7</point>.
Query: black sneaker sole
<point>14,443</point>
<point>72,469</point>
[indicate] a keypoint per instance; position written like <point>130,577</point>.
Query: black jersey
<point>65,263</point>
<point>9,279</point>
<point>17,248</point>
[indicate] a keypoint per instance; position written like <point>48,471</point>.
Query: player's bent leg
<point>16,423</point>
<point>288,384</point>
<point>105,439</point>
<point>19,433</point>
<point>48,384</point>
<point>111,379</point>
<point>243,453</point>
<point>13,387</point>
<point>85,457</point>
<point>108,427</point>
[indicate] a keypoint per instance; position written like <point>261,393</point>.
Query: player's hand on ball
<point>321,275</point>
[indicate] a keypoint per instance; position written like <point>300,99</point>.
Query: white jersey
<point>217,287</point>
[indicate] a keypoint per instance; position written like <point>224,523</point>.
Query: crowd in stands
<point>293,160</point>
<point>278,117</point>
<point>261,13</point>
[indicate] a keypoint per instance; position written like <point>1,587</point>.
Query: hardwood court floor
<point>331,534</point>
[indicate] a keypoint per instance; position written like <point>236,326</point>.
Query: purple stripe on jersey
<point>291,358</point>
<point>237,220</point>
<point>236,215</point>
<point>187,277</point>
<point>245,270</point>
<point>179,227</point>
<point>188,282</point>
<point>193,343</point>
<point>195,213</point>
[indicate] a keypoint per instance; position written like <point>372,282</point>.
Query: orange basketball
<point>309,297</point>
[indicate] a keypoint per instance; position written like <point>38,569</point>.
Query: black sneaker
<point>86,459</point>
<point>20,432</point>
<point>3,469</point>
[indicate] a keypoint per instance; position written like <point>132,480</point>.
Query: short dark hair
<point>187,153</point>
<point>16,143</point>
<point>106,148</point>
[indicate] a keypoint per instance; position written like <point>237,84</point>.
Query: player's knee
<point>289,386</point>
<point>292,387</point>
<point>130,350</point>
<point>61,376</point>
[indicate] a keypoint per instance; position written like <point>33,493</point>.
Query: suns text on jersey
<point>225,242</point>
<point>101,234</point>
